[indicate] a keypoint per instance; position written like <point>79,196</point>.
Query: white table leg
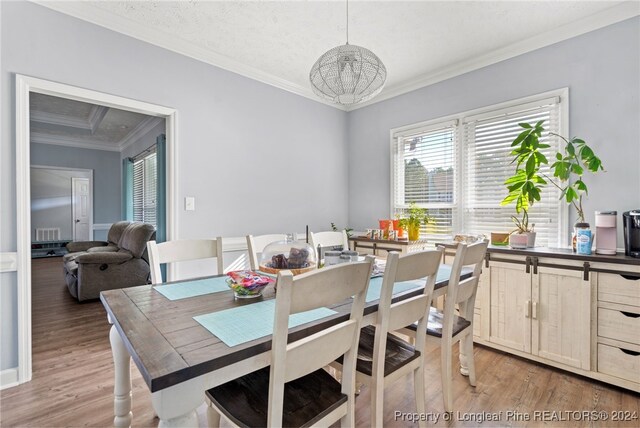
<point>176,406</point>
<point>122,384</point>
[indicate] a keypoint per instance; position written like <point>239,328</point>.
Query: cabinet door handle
<point>629,352</point>
<point>527,309</point>
<point>534,311</point>
<point>630,314</point>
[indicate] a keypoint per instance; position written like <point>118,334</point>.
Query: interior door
<point>81,208</point>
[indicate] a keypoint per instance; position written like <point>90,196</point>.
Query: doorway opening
<point>26,87</point>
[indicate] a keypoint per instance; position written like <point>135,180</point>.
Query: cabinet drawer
<point>620,363</point>
<point>619,325</point>
<point>614,288</point>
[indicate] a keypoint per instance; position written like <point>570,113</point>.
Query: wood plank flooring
<point>73,378</point>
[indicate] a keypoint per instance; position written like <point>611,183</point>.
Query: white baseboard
<point>8,378</point>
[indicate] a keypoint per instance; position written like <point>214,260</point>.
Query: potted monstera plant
<point>526,184</point>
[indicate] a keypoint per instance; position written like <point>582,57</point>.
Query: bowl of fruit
<point>247,284</point>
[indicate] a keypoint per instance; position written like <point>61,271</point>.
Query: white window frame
<point>461,150</point>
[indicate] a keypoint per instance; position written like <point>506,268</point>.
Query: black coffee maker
<point>631,223</point>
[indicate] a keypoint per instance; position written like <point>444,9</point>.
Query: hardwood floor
<point>73,379</point>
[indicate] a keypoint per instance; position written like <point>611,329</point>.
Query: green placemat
<point>198,287</point>
<point>375,285</point>
<point>250,322</point>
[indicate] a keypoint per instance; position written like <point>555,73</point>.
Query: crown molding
<point>96,115</point>
<point>59,119</point>
<point>122,25</point>
<point>117,23</point>
<point>140,130</point>
<point>618,13</point>
<point>80,143</point>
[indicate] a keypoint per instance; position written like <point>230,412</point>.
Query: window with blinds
<point>457,169</point>
<point>145,187</point>
<point>487,140</point>
<point>425,165</point>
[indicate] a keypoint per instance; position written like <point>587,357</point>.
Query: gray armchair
<point>110,245</point>
<point>90,272</point>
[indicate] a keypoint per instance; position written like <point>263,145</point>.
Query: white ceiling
<point>60,121</point>
<point>420,42</point>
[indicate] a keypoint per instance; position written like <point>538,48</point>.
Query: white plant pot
<point>531,239</point>
<point>518,240</point>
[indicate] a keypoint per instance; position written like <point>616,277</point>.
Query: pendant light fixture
<point>348,74</point>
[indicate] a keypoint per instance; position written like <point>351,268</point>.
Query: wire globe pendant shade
<point>348,74</point>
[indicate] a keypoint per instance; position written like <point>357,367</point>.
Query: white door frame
<point>24,86</point>
<point>64,168</point>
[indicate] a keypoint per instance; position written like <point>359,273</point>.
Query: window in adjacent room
<point>145,187</point>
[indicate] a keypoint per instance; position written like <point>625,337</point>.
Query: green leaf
<point>539,180</point>
<point>543,146</point>
<point>558,156</point>
<point>571,150</point>
<point>539,123</point>
<point>577,169</point>
<point>520,138</point>
<point>578,142</point>
<point>542,159</point>
<point>571,194</point>
<point>586,153</point>
<point>535,193</point>
<point>579,184</point>
<point>531,165</point>
<point>525,125</point>
<point>594,164</point>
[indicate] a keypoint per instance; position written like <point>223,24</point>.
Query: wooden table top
<point>170,347</point>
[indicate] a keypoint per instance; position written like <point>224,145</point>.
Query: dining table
<point>179,359</point>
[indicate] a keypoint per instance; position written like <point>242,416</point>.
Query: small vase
<point>414,233</point>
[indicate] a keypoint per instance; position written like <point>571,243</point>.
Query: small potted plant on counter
<point>415,218</point>
<point>526,183</point>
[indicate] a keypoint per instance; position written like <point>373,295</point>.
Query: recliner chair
<point>111,244</point>
<point>90,272</point>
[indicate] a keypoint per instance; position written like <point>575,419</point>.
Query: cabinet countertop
<point>565,253</point>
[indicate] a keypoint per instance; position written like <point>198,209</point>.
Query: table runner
<point>245,323</point>
<point>198,287</point>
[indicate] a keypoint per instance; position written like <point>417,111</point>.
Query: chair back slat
<point>182,250</point>
<point>324,287</point>
<point>337,283</point>
<point>463,292</point>
<point>407,312</point>
<point>255,245</point>
<point>320,349</point>
<point>415,266</point>
<point>328,239</point>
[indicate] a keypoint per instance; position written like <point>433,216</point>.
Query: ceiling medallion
<point>348,74</point>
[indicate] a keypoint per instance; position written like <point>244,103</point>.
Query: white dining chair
<point>255,245</point>
<point>448,327</point>
<point>328,239</point>
<point>294,390</point>
<point>383,357</point>
<point>182,250</point>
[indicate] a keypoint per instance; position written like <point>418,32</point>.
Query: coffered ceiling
<point>65,122</point>
<point>420,42</point>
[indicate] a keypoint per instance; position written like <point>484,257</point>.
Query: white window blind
<point>487,142</point>
<point>144,188</point>
<point>457,169</point>
<point>425,174</point>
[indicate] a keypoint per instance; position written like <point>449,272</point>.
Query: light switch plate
<point>189,203</point>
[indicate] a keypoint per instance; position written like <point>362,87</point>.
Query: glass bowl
<point>296,256</point>
<point>247,284</point>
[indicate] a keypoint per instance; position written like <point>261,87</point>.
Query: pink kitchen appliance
<point>606,232</point>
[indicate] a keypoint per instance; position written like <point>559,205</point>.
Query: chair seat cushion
<point>306,400</point>
<point>436,318</point>
<point>398,352</point>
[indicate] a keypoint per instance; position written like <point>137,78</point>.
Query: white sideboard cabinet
<point>578,313</point>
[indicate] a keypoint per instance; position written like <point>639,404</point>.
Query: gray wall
<point>51,200</point>
<point>602,71</point>
<point>257,159</point>
<point>107,174</point>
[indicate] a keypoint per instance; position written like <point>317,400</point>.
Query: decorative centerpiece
<point>247,284</point>
<point>296,256</point>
